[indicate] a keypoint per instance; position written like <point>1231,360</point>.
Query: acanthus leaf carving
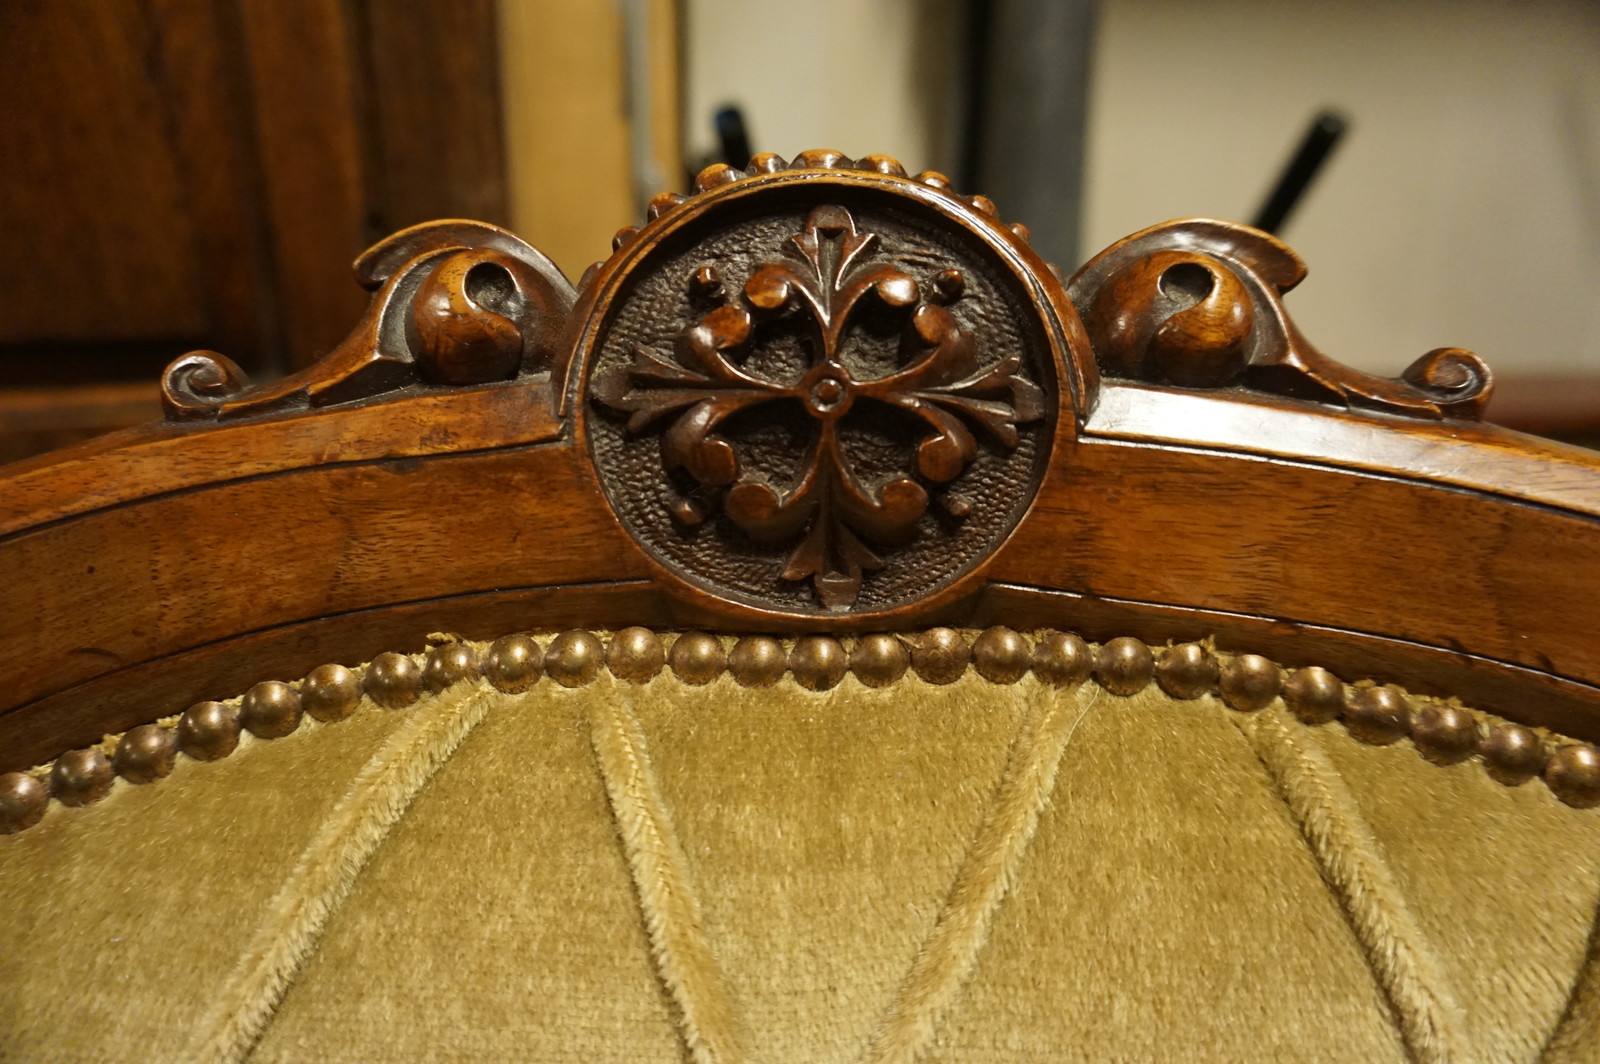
<point>1199,304</point>
<point>835,522</point>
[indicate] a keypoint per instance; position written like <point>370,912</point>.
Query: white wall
<point>1463,207</point>
<point>859,76</point>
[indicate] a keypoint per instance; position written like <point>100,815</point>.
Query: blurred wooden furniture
<point>197,174</point>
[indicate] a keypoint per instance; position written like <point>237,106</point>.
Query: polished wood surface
<point>1379,531</point>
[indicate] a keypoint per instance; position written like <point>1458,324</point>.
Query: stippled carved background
<point>961,306</point>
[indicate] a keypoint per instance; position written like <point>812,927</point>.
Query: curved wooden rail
<point>1276,504</point>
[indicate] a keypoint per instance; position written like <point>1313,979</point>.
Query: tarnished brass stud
<point>448,664</point>
<point>636,655</point>
<point>1062,659</point>
<point>697,658</point>
<point>1124,666</point>
<point>757,661</point>
<point>1573,775</point>
<point>208,731</point>
<point>392,680</point>
<point>1512,754</point>
<point>818,662</point>
<point>1378,715</point>
<point>879,659</point>
<point>22,801</point>
<point>1001,655</point>
<point>270,710</point>
<point>513,663</point>
<point>145,754</point>
<point>81,776</point>
<point>1249,682</point>
<point>940,655</point>
<point>573,658</point>
<point>1444,735</point>
<point>330,692</point>
<point>1314,694</point>
<point>1187,671</point>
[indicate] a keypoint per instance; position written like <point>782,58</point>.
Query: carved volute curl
<point>824,387</point>
<point>1198,303</point>
<point>456,303</point>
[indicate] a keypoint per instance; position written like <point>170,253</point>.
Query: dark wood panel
<point>1564,406</point>
<point>303,62</point>
<point>435,96</point>
<point>204,86</point>
<point>99,242</point>
<point>201,173</point>
<point>41,419</point>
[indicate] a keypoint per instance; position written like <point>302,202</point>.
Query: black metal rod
<point>975,99</point>
<point>733,137</point>
<point>1315,147</point>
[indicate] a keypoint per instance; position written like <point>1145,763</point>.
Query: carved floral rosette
<point>820,396</point>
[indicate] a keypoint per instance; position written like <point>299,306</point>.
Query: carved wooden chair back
<point>816,406</point>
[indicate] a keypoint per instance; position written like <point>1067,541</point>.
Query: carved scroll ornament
<point>456,303</point>
<point>1199,304</point>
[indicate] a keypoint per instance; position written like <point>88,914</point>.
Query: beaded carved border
<point>1442,731</point>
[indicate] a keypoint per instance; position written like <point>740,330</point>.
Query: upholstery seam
<point>987,875</point>
<point>378,796</point>
<point>1572,1026</point>
<point>685,963</point>
<point>1397,951</point>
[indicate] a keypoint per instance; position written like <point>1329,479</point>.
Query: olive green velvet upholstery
<point>975,873</point>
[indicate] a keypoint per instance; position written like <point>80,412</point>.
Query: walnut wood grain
<point>1379,533</point>
<point>146,579</point>
<point>1482,458</point>
<point>163,458</point>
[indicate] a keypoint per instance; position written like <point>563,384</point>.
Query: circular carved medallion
<point>819,397</point>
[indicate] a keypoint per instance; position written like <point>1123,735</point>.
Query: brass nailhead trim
<point>1443,733</point>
